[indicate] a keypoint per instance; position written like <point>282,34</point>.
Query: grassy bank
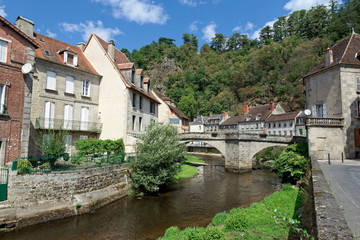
<point>187,170</point>
<point>192,159</point>
<point>273,218</point>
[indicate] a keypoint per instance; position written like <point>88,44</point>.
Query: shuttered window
<point>68,112</point>
<point>69,84</point>
<point>51,80</point>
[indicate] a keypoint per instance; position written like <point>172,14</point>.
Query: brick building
<point>16,49</point>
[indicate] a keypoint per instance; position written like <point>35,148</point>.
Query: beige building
<point>333,97</point>
<point>169,113</point>
<point>126,104</point>
<point>65,92</point>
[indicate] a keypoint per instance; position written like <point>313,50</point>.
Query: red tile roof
<point>54,47</point>
<point>344,52</point>
<point>138,71</point>
<point>19,32</point>
<point>125,66</point>
<point>282,117</point>
<point>232,121</point>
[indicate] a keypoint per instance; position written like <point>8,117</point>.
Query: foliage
<point>158,157</point>
<point>24,166</point>
<point>268,154</point>
<point>45,166</point>
<point>292,163</point>
<point>273,218</point>
<point>93,146</point>
<point>186,171</point>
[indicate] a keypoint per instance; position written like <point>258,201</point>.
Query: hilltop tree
<point>218,43</point>
<point>237,41</point>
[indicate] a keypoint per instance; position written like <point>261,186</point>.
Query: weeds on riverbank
<point>186,171</point>
<point>192,159</point>
<point>273,218</point>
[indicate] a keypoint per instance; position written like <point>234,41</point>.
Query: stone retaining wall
<point>36,198</point>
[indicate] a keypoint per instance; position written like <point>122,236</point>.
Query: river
<point>192,202</point>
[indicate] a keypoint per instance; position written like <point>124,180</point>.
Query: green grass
<point>192,159</point>
<point>186,171</point>
<point>273,218</point>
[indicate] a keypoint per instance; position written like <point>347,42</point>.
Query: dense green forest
<point>233,70</point>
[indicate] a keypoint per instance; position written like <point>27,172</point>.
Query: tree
<point>280,29</point>
<point>158,157</point>
<point>237,41</point>
<point>187,105</point>
<point>218,42</point>
<point>169,42</point>
<point>186,38</point>
<point>266,33</point>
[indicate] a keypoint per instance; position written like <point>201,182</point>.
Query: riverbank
<point>188,168</point>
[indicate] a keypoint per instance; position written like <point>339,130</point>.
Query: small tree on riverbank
<point>158,157</point>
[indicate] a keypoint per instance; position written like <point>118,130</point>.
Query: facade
<point>213,122</point>
<point>197,126</point>
<point>282,124</point>
<point>169,113</point>
<point>126,104</point>
<point>65,91</point>
<point>333,96</point>
<point>16,49</point>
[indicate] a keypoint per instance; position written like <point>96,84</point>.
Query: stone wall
<point>36,198</point>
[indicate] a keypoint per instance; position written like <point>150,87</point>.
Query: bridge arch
<point>217,145</point>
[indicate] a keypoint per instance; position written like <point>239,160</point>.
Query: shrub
<point>236,221</point>
<point>219,219</point>
<point>299,148</point>
<point>158,157</point>
<point>78,159</point>
<point>93,146</point>
<point>291,166</point>
<point>213,233</point>
<point>24,166</point>
<point>45,166</point>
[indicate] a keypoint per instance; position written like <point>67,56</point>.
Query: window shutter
<point>314,111</point>
<point>75,60</point>
<point>357,83</point>
<point>357,137</point>
<point>324,110</point>
<point>51,80</point>
<point>65,57</point>
<point>69,85</point>
<point>2,98</point>
<point>3,51</point>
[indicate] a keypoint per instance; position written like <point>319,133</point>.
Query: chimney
<point>81,45</point>
<point>329,59</point>
<point>26,26</point>
<point>246,108</point>
<point>272,106</point>
<point>225,115</point>
<point>111,49</point>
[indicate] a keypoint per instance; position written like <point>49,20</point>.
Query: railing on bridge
<point>325,122</point>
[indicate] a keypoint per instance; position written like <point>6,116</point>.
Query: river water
<point>192,202</point>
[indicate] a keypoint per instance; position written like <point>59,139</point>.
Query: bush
<point>236,221</point>
<point>93,146</point>
<point>24,166</point>
<point>158,157</point>
<point>219,219</point>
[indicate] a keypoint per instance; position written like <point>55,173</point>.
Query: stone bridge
<point>239,149</point>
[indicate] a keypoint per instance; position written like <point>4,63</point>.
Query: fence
<point>49,164</point>
<point>4,172</point>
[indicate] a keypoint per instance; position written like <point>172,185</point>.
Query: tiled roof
<point>19,32</point>
<point>138,71</point>
<point>163,97</point>
<point>344,52</point>
<point>232,121</point>
<point>262,111</point>
<point>282,117</point>
<point>122,62</point>
<point>54,47</point>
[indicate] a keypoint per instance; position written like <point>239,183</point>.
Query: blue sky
<point>136,23</point>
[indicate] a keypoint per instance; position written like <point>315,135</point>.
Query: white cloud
<point>193,27</point>
<point>248,27</point>
<point>2,11</point>
<point>294,5</point>
<point>256,34</point>
<point>50,34</point>
<point>192,3</point>
<point>139,11</point>
<point>91,27</point>
<point>209,32</point>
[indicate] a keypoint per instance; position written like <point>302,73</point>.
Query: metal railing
<point>325,122</point>
<point>71,125</point>
<point>70,163</point>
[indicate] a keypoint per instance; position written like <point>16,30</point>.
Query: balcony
<point>325,122</point>
<point>56,124</point>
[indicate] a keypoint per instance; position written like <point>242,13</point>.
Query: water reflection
<point>193,202</point>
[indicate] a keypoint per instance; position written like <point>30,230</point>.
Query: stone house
<point>197,126</point>
<point>282,124</point>
<point>169,113</point>
<point>65,91</point>
<point>126,104</point>
<point>213,122</point>
<point>333,97</point>
<point>16,63</point>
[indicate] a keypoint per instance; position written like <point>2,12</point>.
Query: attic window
<point>41,39</point>
<point>257,117</point>
<point>70,58</point>
<point>248,118</point>
<point>133,75</point>
<point>47,53</point>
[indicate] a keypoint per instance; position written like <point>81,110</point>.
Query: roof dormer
<point>69,57</point>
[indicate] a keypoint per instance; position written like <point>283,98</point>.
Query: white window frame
<point>3,49</point>
<point>49,112</point>
<point>69,84</point>
<point>2,97</point>
<point>86,88</point>
<point>84,124</point>
<point>75,59</point>
<point>50,80</point>
<point>357,83</point>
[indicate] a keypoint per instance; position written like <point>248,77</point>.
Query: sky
<point>133,24</point>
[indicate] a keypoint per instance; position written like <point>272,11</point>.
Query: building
<point>126,104</point>
<point>282,124</point>
<point>169,113</point>
<point>16,50</point>
<point>65,90</point>
<point>197,126</point>
<point>231,124</point>
<point>213,122</point>
<point>333,97</point>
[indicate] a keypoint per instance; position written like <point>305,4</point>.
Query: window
<point>49,114</point>
<point>174,121</point>
<point>51,80</point>
<point>291,124</point>
<point>69,84</point>
<point>358,83</point>
<point>285,133</point>
<point>140,123</point>
<point>291,132</point>
<point>134,100</point>
<point>70,58</point>
<point>247,118</point>
<point>133,122</point>
<point>133,75</point>
<point>257,126</point>
<point>300,131</point>
<point>140,102</point>
<point>68,111</point>
<point>274,125</point>
<point>279,133</point>
<point>279,125</point>
<point>285,125</point>
<point>47,53</point>
<point>152,107</point>
<point>319,110</point>
<point>84,118</point>
<point>142,82</point>
<point>3,50</point>
<point>2,99</point>
<point>86,88</point>
<point>148,87</point>
<point>357,137</point>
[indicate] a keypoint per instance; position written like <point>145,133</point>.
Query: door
<point>4,172</point>
<point>49,115</point>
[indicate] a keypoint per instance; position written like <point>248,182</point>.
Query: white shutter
<point>65,57</point>
<point>68,140</point>
<point>51,80</point>
<point>75,60</point>
<point>69,84</point>
<point>3,51</point>
<point>314,111</point>
<point>2,98</point>
<point>324,110</point>
<point>358,83</point>
<point>84,118</point>
<point>68,110</point>
<point>49,114</point>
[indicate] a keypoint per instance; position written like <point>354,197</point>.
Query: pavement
<point>344,181</point>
